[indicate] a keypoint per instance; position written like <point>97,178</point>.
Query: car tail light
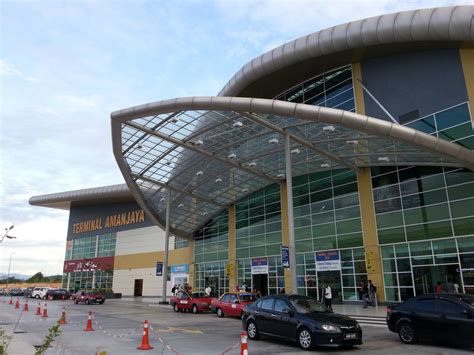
<point>389,310</point>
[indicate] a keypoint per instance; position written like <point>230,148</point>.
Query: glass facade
<point>180,242</point>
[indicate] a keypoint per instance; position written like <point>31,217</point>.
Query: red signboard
<point>91,264</point>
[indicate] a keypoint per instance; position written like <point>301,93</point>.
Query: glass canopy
<point>212,151</point>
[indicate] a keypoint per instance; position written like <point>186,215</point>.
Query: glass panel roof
<point>212,158</point>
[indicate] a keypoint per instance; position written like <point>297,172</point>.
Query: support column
<point>289,212</point>
<point>284,231</point>
<point>167,246</point>
<point>467,62</point>
<point>231,265</point>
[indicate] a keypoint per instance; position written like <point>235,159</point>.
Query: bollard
<point>145,345</point>
<point>89,323</point>
<point>25,308</point>
<point>62,320</point>
<point>11,300</point>
<point>17,304</point>
<point>38,310</point>
<point>243,344</point>
<point>45,311</point>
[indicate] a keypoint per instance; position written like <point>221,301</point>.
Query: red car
<point>232,303</point>
<point>88,297</point>
<point>196,302</point>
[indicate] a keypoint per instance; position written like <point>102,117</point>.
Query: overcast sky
<point>65,65</point>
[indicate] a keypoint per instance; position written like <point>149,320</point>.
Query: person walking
<point>450,286</point>
<point>208,290</point>
<point>363,293</point>
<point>327,296</point>
<point>372,289</point>
<point>438,288</point>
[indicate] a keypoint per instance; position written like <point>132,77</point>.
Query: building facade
<point>393,215</point>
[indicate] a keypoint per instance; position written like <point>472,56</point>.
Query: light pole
<point>9,266</point>
<point>5,235</point>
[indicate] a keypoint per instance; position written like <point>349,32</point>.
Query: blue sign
<point>180,269</point>
<point>328,260</point>
<point>159,268</point>
<point>259,266</point>
<point>285,256</point>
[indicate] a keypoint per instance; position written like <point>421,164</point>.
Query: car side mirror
<point>288,311</point>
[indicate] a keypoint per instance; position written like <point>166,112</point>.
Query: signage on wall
<point>180,269</point>
<point>115,220</point>
<point>328,260</point>
<point>285,256</point>
<point>369,265</point>
<point>259,266</point>
<point>92,264</point>
<point>159,268</point>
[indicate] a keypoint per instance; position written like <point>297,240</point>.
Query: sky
<point>66,65</point>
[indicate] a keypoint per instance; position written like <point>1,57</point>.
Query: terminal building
<point>342,156</point>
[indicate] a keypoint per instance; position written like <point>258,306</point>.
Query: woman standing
<point>327,296</point>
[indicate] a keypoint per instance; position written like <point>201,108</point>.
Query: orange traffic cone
<point>45,311</point>
<point>243,344</point>
<point>17,304</point>
<point>89,323</point>
<point>62,320</point>
<point>38,310</point>
<point>25,308</point>
<point>11,300</point>
<point>145,345</point>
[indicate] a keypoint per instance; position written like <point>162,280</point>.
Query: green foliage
<point>38,277</point>
<point>54,332</point>
<point>4,341</point>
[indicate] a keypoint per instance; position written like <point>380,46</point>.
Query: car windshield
<point>247,298</point>
<point>307,305</point>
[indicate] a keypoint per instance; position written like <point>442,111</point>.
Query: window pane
<point>429,231</point>
<point>452,117</point>
<point>462,208</point>
<point>392,235</point>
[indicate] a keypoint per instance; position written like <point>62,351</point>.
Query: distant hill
<point>15,275</point>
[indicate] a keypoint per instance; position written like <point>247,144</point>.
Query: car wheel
<point>175,308</point>
<point>220,313</point>
<point>305,339</point>
<point>102,302</point>
<point>195,309</point>
<point>407,333</point>
<point>76,301</point>
<point>88,301</point>
<point>252,330</point>
<point>37,297</point>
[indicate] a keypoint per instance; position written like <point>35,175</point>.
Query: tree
<point>38,277</point>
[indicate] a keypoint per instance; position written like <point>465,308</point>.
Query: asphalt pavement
<point>118,329</point>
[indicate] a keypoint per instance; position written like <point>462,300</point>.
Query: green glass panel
<point>241,243</point>
<point>459,177</point>
<point>273,237</point>
<point>390,279</point>
<point>350,240</point>
<point>346,255</point>
<point>426,125</point>
<point>463,226</point>
<point>299,180</point>
<point>223,255</point>
<point>299,259</point>
<point>323,230</point>
<point>424,184</point>
<point>272,198</point>
<point>389,265</point>
<point>348,280</point>
<point>257,229</point>
<point>423,248</point>
<point>359,253</point>
<point>274,249</point>
<point>257,240</point>
<point>461,191</point>
<point>303,233</point>
<point>304,245</point>
<point>347,213</point>
<point>258,251</point>
<point>300,190</point>
<point>349,226</point>
<point>273,227</point>
<point>446,246</point>
<point>302,221</point>
<point>429,231</point>
<point>392,235</point>
<point>328,243</point>
<point>345,189</point>
<point>302,211</point>
<point>344,177</point>
<point>424,199</point>
<point>427,214</point>
<point>391,294</point>
<point>347,267</point>
<point>462,208</point>
<point>466,244</point>
<point>405,279</point>
<point>387,252</point>
<point>242,224</point>
<point>322,218</point>
<point>242,253</point>
<point>455,133</point>
<point>401,250</point>
<point>390,219</point>
<point>453,116</point>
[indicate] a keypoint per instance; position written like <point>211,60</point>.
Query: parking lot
<point>118,326</point>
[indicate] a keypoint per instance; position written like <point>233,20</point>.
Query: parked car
<point>16,292</point>
<point>302,319</point>
<point>39,292</point>
<point>232,303</point>
<point>88,297</point>
<point>28,291</point>
<point>58,294</point>
<point>445,316</point>
<point>195,302</point>
<point>3,291</point>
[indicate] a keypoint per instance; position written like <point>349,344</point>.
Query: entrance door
<point>426,277</point>
<point>213,283</point>
<point>138,289</point>
<point>333,279</point>
<point>260,282</point>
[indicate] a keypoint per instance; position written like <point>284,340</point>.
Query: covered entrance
<point>213,283</point>
<point>260,283</point>
<point>426,277</point>
<point>138,288</point>
<point>333,279</point>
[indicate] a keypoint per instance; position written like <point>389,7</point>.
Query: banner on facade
<point>91,264</point>
<point>259,266</point>
<point>285,256</point>
<point>159,268</point>
<point>180,269</point>
<point>328,260</point>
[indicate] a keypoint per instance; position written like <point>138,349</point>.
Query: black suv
<point>302,319</point>
<point>444,316</point>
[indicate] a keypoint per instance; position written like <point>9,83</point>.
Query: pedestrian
<point>327,296</point>
<point>439,288</point>
<point>372,289</point>
<point>243,288</point>
<point>363,293</point>
<point>237,289</point>
<point>282,291</point>
<point>450,286</point>
<point>173,290</point>
<point>208,290</point>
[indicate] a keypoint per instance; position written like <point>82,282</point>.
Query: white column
<point>291,227</point>
<point>167,241</point>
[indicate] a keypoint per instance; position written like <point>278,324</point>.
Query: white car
<point>39,292</point>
